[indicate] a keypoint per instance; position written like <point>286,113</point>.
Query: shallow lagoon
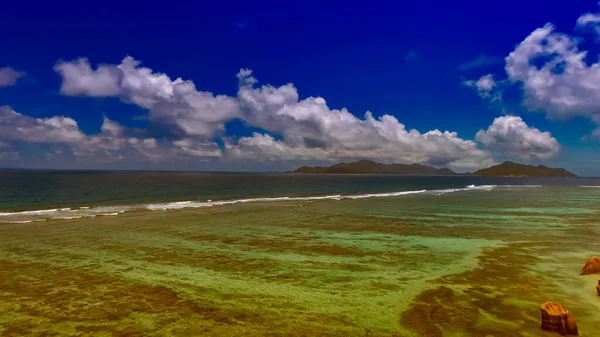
<point>468,263</point>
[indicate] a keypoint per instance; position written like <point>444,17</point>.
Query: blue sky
<point>413,65</point>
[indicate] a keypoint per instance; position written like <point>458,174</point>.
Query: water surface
<point>451,261</point>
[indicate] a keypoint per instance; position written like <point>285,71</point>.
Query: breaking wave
<point>68,213</point>
<point>197,204</point>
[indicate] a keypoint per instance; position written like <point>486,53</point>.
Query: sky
<point>272,85</point>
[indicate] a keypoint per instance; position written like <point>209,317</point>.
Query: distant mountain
<point>371,167</point>
<point>511,169</point>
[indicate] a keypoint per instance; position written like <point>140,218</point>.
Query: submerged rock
<point>557,319</point>
<point>598,287</point>
<point>592,266</point>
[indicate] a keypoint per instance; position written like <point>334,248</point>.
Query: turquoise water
<point>448,261</point>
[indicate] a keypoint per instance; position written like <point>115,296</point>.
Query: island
<point>371,167</point>
<point>506,169</point>
<point>511,169</point>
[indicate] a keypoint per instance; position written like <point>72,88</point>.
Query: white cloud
<point>14,126</point>
<point>294,129</point>
<point>311,130</point>
<point>265,147</point>
<point>511,136</point>
<point>175,105</point>
<point>589,20</point>
<point>205,149</point>
<point>113,143</point>
<point>553,72</point>
<point>79,79</point>
<point>484,86</point>
<point>564,85</point>
<point>481,61</point>
<point>9,76</point>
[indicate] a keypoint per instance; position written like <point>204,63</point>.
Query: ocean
<point>95,253</point>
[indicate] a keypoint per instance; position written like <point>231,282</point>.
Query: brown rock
<point>598,287</point>
<point>592,266</point>
<point>557,319</point>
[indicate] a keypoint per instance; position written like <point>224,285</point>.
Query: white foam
<point>379,195</point>
<point>333,197</point>
<point>210,203</point>
<point>466,188</point>
<point>176,205</point>
<point>67,217</point>
<point>518,186</point>
<point>491,187</point>
<point>481,187</point>
<point>450,190</point>
<point>588,186</point>
<point>23,221</point>
<point>86,211</point>
<point>199,204</point>
<point>36,212</point>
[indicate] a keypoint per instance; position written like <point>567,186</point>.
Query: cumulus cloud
<point>9,76</point>
<point>194,148</point>
<point>312,130</point>
<point>555,76</point>
<point>113,143</point>
<point>589,20</point>
<point>62,130</point>
<point>484,85</point>
<point>564,86</point>
<point>293,128</point>
<point>79,79</point>
<point>481,61</point>
<point>554,73</point>
<point>511,136</point>
<point>15,126</point>
<point>175,105</point>
<point>303,129</point>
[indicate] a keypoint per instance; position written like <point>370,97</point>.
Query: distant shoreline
<point>562,173</point>
<point>506,169</point>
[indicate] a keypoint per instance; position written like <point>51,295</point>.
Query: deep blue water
<point>30,190</point>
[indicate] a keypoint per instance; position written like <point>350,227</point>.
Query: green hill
<point>371,167</point>
<point>511,169</point>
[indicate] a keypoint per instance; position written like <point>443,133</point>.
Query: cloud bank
<point>186,124</point>
<point>309,129</point>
